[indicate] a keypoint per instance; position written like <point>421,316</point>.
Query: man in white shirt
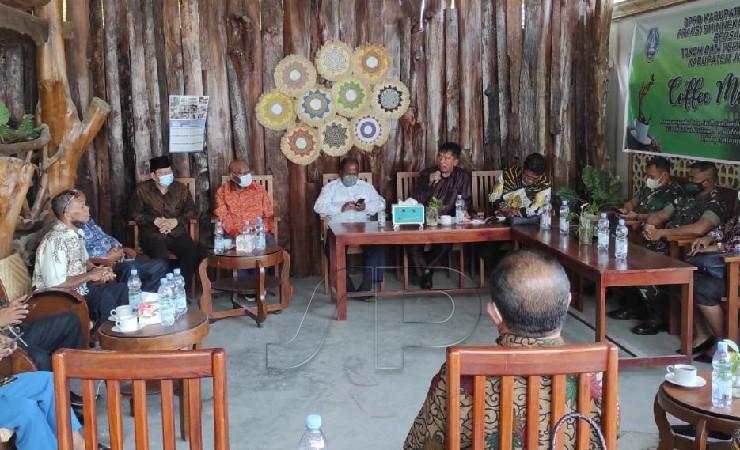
<point>349,199</point>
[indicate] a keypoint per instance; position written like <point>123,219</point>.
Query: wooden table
<point>272,256</point>
<point>343,235</point>
<point>693,406</point>
<point>642,267</point>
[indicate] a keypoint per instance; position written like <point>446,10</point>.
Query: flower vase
<point>432,217</point>
<point>586,229</point>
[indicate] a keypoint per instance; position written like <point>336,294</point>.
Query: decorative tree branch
<point>20,148</point>
<point>24,23</point>
<point>15,179</point>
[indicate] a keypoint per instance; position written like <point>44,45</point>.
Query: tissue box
<point>407,215</point>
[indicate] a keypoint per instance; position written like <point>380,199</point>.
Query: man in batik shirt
<point>530,292</point>
<point>531,177</point>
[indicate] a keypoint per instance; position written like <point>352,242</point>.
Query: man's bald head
<point>531,292</point>
<point>238,167</point>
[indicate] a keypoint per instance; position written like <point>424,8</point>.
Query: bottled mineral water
<point>546,217</point>
<point>244,242</point>
<point>459,209</point>
<point>166,306</point>
<point>181,297</point>
<point>721,377</point>
<point>134,289</point>
<point>603,229</point>
<point>313,438</point>
<point>259,240</point>
<point>218,238</point>
<point>564,212</point>
<point>620,241</point>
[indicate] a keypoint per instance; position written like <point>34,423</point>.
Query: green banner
<point>684,86</point>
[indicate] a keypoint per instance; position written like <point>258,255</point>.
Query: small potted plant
<point>432,212</point>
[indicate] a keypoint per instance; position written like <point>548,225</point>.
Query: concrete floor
<point>368,376</point>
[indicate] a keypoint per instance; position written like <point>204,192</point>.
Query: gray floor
<point>368,376</point>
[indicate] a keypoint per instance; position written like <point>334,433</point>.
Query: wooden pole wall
<point>504,78</point>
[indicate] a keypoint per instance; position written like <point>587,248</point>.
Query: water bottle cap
<point>176,271</point>
<point>163,280</point>
<point>603,215</point>
<point>621,221</point>
<point>313,422</point>
<point>565,202</point>
<point>170,276</point>
<point>134,272</point>
<point>721,347</point>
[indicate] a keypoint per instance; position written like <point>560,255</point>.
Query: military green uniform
<point>652,200</point>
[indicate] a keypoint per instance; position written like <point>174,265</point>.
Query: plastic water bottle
<point>620,242</point>
<point>603,227</point>
<point>564,212</point>
<point>218,238</point>
<point>181,297</point>
<point>721,377</point>
<point>259,241</point>
<point>459,209</point>
<point>313,438</point>
<point>546,217</point>
<point>166,307</point>
<point>134,289</point>
<point>244,242</point>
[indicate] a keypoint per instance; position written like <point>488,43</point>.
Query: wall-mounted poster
<point>684,88</point>
<point>187,123</point>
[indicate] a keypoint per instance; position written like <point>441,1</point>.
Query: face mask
<point>166,180</point>
<point>692,188</point>
<point>652,184</point>
<point>349,180</point>
<point>245,180</point>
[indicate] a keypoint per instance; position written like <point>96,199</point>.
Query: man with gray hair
<point>530,296</point>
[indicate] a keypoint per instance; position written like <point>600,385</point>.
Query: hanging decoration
<point>300,145</point>
<point>315,106</point>
<point>390,99</point>
<point>369,131</point>
<point>274,110</point>
<point>351,96</point>
<point>294,74</point>
<point>336,137</point>
<point>334,60</point>
<point>370,63</point>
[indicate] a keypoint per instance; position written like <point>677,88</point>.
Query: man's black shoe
<point>624,314</point>
<point>75,399</point>
<point>649,328</point>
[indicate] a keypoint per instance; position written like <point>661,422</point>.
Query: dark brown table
<point>693,406</point>
<point>642,267</point>
<point>342,235</point>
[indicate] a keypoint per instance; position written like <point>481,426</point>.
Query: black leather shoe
<point>624,314</point>
<point>649,328</point>
<point>703,347</point>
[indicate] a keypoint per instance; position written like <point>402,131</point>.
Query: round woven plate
<point>294,74</point>
<point>336,137</point>
<point>315,106</point>
<point>301,145</point>
<point>370,63</point>
<point>369,131</point>
<point>274,110</point>
<point>351,96</point>
<point>390,99</point>
<point>334,60</point>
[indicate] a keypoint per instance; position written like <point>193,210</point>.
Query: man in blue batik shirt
<point>100,245</point>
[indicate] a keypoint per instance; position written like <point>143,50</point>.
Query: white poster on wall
<point>187,123</point>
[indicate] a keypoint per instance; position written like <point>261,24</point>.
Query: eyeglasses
<point>71,195</point>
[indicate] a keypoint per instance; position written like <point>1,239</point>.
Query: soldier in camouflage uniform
<point>696,213</point>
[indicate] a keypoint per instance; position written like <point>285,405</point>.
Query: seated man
<point>61,259</point>
<point>444,181</point>
<point>27,406</point>
<point>710,285</point>
<point>100,245</point>
<point>530,297</point>
<point>349,199</point>
<point>531,177</point>
<point>695,214</point>
<point>240,199</point>
<point>163,208</point>
<point>659,191</point>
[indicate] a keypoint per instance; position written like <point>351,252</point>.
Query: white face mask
<point>245,180</point>
<point>652,184</point>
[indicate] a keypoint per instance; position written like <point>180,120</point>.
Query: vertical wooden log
<point>139,94</point>
<point>393,34</point>
<point>152,79</point>
<point>418,89</point>
<point>528,81</point>
<point>541,80</point>
<point>502,61</point>
<point>563,159</point>
<point>491,116</point>
<point>452,75</point>
<point>598,24</point>
<point>11,75</point>
<point>435,52</point>
<point>471,94</point>
<point>514,52</point>
<point>328,29</point>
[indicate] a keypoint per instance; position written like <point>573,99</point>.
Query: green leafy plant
<point>25,131</point>
<point>434,203</point>
<point>602,190</point>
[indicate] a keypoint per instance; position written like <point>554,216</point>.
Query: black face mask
<point>693,188</point>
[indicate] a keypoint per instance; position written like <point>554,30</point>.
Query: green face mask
<point>349,180</point>
<point>692,188</point>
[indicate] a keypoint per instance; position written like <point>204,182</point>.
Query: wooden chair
<point>483,183</point>
<point>367,177</point>
<point>266,182</point>
<point>532,363</point>
<point>192,228</point>
<point>139,367</point>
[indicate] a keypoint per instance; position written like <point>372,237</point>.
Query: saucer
<point>118,330</point>
<point>647,140</point>
<point>698,382</point>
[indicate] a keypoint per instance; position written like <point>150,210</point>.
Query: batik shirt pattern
<point>60,255</point>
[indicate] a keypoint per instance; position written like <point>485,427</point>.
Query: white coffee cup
<point>122,311</point>
<point>127,323</point>
<point>683,374</point>
<point>445,220</point>
<point>641,130</point>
